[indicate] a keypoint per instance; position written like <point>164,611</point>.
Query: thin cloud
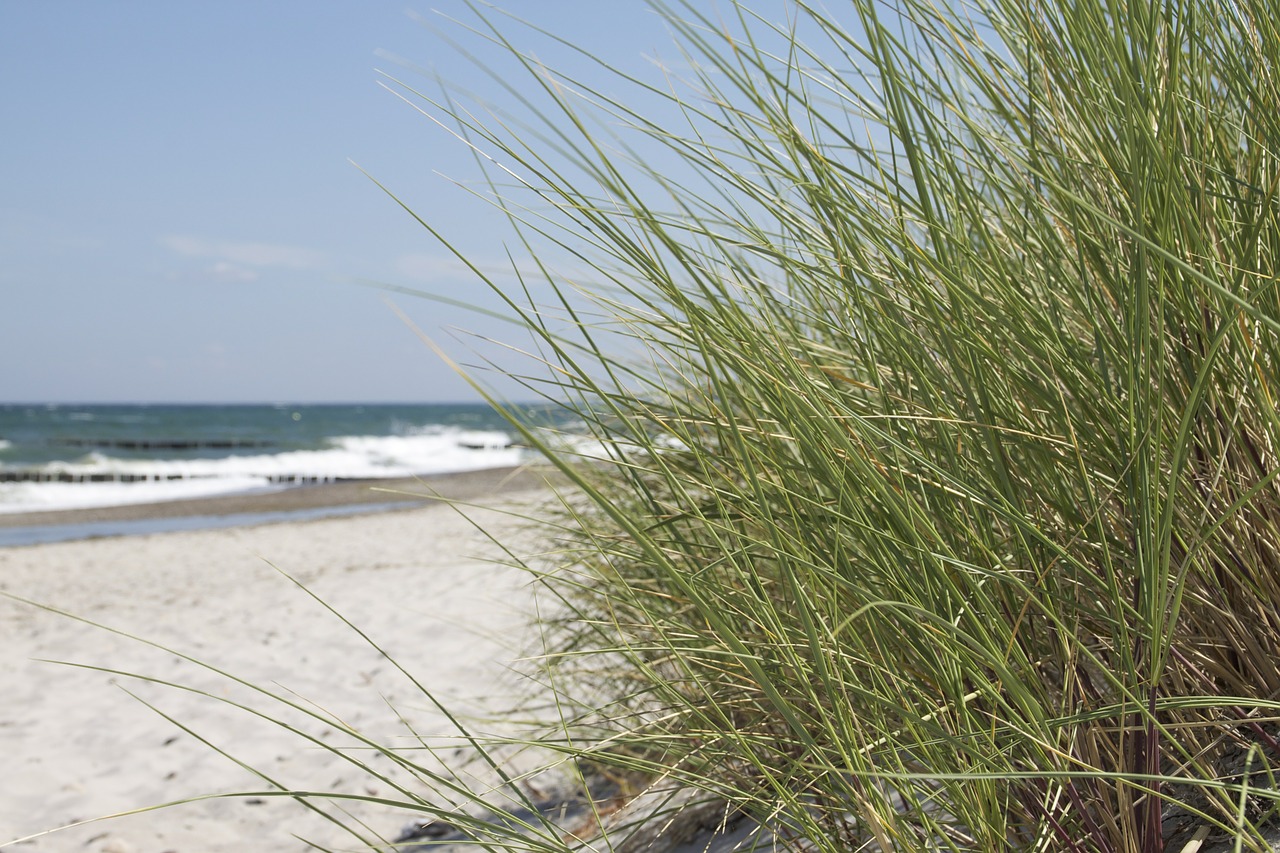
<point>226,271</point>
<point>232,255</point>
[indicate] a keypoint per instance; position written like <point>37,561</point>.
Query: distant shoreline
<point>299,501</point>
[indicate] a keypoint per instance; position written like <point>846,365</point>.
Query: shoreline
<point>297,503</point>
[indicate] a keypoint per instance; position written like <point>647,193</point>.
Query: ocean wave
<point>100,479</point>
<point>35,497</point>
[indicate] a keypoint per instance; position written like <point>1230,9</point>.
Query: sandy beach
<point>421,581</point>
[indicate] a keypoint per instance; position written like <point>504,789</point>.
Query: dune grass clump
<point>932,351</point>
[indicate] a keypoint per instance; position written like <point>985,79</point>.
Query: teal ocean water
<point>76,456</point>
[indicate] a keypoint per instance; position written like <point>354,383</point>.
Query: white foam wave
<point>103,480</point>
<point>34,497</point>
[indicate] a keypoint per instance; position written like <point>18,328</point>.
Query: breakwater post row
<point>161,443</point>
<point>20,476</point>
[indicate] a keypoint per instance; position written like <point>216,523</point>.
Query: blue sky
<point>179,219</point>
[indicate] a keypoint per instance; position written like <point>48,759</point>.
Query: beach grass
<point>932,356</point>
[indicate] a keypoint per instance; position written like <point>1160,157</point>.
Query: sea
<point>80,456</point>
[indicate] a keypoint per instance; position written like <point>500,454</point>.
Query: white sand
<point>74,745</point>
